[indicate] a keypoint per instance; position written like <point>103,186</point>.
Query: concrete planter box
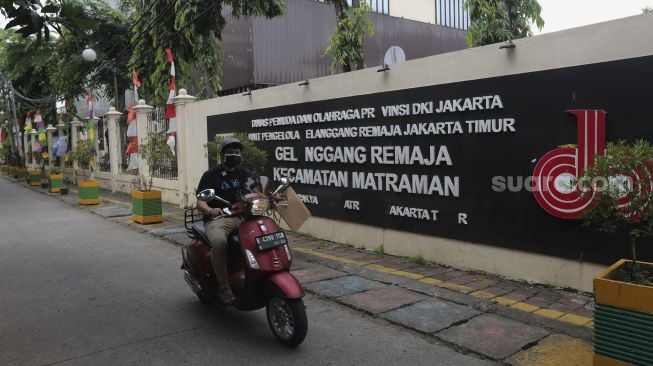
<point>55,182</point>
<point>34,179</point>
<point>88,192</point>
<point>623,319</point>
<point>22,174</point>
<point>11,171</point>
<point>4,169</point>
<point>147,207</point>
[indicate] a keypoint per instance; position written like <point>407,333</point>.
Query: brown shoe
<point>226,296</point>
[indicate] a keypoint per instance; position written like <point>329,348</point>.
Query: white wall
<point>420,10</point>
<point>621,39</point>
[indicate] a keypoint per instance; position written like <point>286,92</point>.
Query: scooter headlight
<point>260,206</point>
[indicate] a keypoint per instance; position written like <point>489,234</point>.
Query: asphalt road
<point>77,289</point>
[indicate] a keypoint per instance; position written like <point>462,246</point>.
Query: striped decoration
<point>4,169</point>
<point>88,192</point>
<point>55,182</point>
<point>147,207</point>
<point>11,171</point>
<point>34,179</point>
<point>623,335</point>
<point>21,174</point>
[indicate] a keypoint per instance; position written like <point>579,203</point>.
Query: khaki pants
<point>217,231</point>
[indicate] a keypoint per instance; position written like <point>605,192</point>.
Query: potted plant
<point>146,203</point>
<point>621,182</point>
<point>88,191</point>
<point>55,180</point>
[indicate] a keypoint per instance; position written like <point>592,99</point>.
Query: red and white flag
<point>89,101</point>
<point>170,106</point>
<point>132,131</point>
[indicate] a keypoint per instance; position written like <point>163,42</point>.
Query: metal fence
<point>157,123</point>
<point>104,159</point>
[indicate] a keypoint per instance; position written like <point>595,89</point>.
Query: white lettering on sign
<point>332,133</point>
<point>487,102</point>
<point>352,205</point>
<point>279,135</point>
<point>410,155</point>
<point>396,110</point>
<point>285,153</point>
<point>462,218</point>
<point>494,125</point>
<point>407,183</point>
<point>338,154</point>
<point>414,213</point>
<point>307,198</point>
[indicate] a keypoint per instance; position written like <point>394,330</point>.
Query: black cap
<point>230,141</point>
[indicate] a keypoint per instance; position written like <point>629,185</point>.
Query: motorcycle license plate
<point>270,241</point>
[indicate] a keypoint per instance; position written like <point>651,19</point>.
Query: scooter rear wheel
<point>287,320</point>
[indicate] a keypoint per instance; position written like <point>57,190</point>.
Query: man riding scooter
<point>227,179</point>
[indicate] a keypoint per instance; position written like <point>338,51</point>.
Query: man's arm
<point>205,209</point>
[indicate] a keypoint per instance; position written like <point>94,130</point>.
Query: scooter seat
<point>199,232</point>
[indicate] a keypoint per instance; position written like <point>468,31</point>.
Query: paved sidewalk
<point>510,322</point>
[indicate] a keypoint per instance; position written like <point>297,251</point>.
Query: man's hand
<point>215,212</point>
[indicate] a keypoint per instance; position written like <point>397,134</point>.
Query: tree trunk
<point>633,251</point>
<point>340,10</point>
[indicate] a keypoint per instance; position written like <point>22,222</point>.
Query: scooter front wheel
<point>287,320</point>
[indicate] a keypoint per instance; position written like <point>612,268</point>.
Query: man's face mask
<point>231,160</point>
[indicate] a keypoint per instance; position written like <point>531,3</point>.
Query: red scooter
<point>258,265</point>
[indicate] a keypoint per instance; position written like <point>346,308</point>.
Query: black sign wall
<point>453,160</point>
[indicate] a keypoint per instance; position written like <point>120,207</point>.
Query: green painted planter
<point>55,182</point>
<point>147,207</point>
<point>623,320</point>
<point>4,169</point>
<point>88,192</point>
<point>34,179</point>
<point>11,171</point>
<point>21,174</point>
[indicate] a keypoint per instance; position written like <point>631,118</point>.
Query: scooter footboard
<point>285,285</point>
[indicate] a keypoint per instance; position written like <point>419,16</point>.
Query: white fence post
<point>74,131</point>
<point>112,117</point>
<point>142,110</point>
<point>183,145</point>
<point>49,131</point>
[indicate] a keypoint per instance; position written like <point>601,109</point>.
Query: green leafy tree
<point>493,21</point>
<point>254,158</point>
<point>346,42</point>
<point>610,180</point>
<point>84,154</point>
<point>156,152</point>
<point>193,30</point>
<point>49,68</point>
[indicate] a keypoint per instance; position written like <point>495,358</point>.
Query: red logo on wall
<point>556,172</point>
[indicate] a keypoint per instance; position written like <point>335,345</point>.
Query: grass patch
<point>418,259</point>
<point>379,250</point>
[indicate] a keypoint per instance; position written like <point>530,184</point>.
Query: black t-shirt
<point>227,185</point>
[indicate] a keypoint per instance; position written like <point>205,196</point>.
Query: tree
<point>493,21</point>
<point>346,42</point>
<point>647,9</point>
<point>193,30</point>
<point>34,17</point>
<point>49,68</point>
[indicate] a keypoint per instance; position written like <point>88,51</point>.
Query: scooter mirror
<point>206,195</point>
<point>285,183</point>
